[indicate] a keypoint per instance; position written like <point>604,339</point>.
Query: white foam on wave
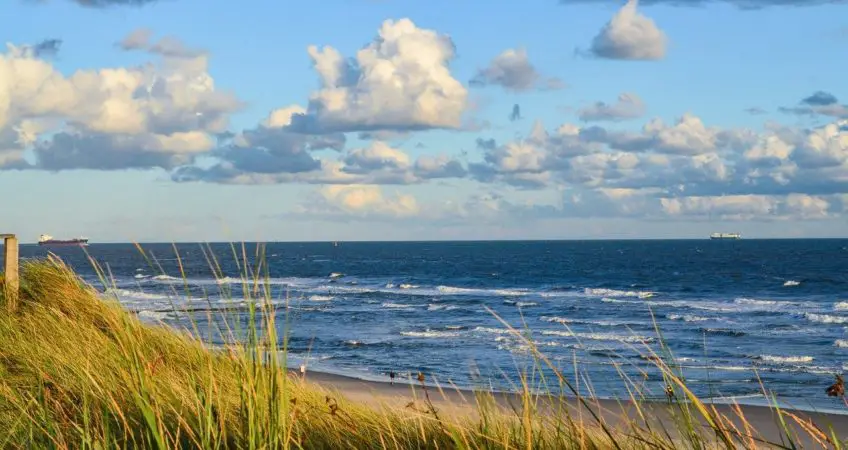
<point>453,290</point>
<point>841,306</point>
<point>139,276</point>
<point>430,334</point>
<point>126,294</point>
<point>756,302</point>
<point>408,286</point>
<point>785,359</point>
<point>440,307</point>
<point>156,316</point>
<point>526,304</point>
<point>599,336</point>
<point>789,283</point>
<point>841,343</point>
<point>556,319</point>
<point>604,292</point>
<point>165,278</point>
<point>493,330</point>
<point>687,317</point>
<point>321,298</point>
<point>825,318</point>
<point>392,305</point>
<point>603,323</point>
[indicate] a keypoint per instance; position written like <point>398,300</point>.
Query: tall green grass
<point>78,371</point>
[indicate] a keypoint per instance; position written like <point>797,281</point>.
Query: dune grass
<point>78,371</point>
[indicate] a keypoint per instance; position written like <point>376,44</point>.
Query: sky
<point>197,120</point>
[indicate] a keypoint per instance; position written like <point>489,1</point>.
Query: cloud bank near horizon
<point>171,115</point>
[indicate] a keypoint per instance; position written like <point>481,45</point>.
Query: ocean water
<point>734,313</point>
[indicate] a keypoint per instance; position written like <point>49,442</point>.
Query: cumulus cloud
<point>820,98</point>
<point>400,81</point>
<point>749,207</point>
<point>629,35</point>
<point>819,103</point>
<point>167,46</point>
<point>677,169</point>
<point>271,153</point>
<point>628,106</point>
<point>47,47</point>
<point>155,115</point>
<point>361,201</point>
<point>513,71</point>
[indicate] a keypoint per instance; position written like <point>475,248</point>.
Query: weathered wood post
<point>11,283</point>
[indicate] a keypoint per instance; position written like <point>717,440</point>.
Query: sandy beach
<point>455,402</point>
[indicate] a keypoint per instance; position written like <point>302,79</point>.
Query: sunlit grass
<point>79,371</point>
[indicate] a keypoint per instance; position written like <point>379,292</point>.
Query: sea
<point>738,316</point>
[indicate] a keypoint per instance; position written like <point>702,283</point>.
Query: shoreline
<point>462,402</point>
<point>327,374</point>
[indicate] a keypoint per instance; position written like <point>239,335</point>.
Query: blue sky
<point>184,120</point>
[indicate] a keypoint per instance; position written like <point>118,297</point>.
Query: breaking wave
<point>687,318</point>
<point>599,336</point>
<point>785,359</point>
<point>825,318</point>
<point>397,305</point>
<point>791,283</point>
<point>604,292</point>
<point>430,334</point>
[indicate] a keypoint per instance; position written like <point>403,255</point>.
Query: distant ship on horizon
<point>725,236</point>
<point>46,239</point>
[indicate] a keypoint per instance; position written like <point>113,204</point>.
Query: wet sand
<point>450,401</point>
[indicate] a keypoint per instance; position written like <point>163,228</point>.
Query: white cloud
<point>627,106</point>
<point>115,118</point>
<point>400,81</point>
<point>513,71</point>
<point>630,35</point>
<point>361,201</point>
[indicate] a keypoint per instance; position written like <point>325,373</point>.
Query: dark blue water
<point>725,308</point>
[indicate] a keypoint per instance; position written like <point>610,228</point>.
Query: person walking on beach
<point>303,370</point>
<point>392,377</point>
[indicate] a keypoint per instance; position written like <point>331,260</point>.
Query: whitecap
<point>396,305</point>
<point>321,298</point>
<point>753,301</point>
<point>604,292</point>
<point>493,330</point>
<point>841,343</point>
<point>556,319</point>
<point>599,336</point>
<point>125,294</point>
<point>825,318</point>
<point>841,306</point>
<point>408,286</point>
<point>687,318</point>
<point>153,315</point>
<point>440,307</point>
<point>791,283</point>
<point>785,359</point>
<point>430,334</point>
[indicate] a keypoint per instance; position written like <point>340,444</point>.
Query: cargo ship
<point>725,236</point>
<point>46,239</point>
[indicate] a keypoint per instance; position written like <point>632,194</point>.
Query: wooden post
<point>11,283</point>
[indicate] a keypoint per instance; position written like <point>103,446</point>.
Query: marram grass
<point>78,371</point>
